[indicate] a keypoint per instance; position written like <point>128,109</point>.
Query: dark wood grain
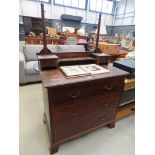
<point>97,49</point>
<point>77,92</point>
<point>76,61</point>
<point>85,123</point>
<point>73,54</point>
<point>76,106</point>
<point>101,58</point>
<point>98,30</point>
<point>74,111</point>
<point>55,77</point>
<point>45,50</point>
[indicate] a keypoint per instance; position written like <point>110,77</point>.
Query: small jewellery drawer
<point>48,63</point>
<point>85,123</point>
<point>73,111</point>
<point>79,92</point>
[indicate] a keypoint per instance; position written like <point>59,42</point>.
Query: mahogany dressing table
<point>76,106</point>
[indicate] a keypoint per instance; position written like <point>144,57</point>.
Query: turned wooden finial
<point>45,50</point>
<point>97,50</point>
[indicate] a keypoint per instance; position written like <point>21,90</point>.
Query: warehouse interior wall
<point>123,20</point>
<point>125,13</point>
<point>32,9</point>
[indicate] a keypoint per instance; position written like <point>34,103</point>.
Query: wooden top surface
<point>75,59</point>
<point>55,77</point>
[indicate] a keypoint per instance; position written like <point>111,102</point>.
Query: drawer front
<point>48,63</point>
<point>76,93</point>
<point>70,112</point>
<point>82,125</point>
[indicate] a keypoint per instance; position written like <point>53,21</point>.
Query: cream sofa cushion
<point>30,51</point>
<point>70,48</point>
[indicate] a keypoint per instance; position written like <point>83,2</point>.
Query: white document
<point>94,69</point>
<point>71,71</point>
<point>83,70</point>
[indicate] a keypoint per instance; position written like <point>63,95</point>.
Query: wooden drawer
<point>76,93</point>
<point>73,111</point>
<point>83,125</point>
<point>48,63</point>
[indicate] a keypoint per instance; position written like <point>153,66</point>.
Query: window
<point>46,1</point>
<point>104,6</point>
<point>72,3</point>
<point>98,5</point>
<point>93,5</point>
<point>75,3</point>
<point>59,2</point>
<point>109,7</point>
<point>67,2</point>
<point>82,4</point>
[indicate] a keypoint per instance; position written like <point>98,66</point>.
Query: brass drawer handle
<point>105,104</point>
<point>74,95</point>
<point>73,113</point>
<point>108,87</point>
<point>102,118</point>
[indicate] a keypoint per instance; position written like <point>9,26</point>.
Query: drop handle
<point>105,104</point>
<point>102,118</point>
<point>73,113</point>
<point>108,88</point>
<point>74,95</point>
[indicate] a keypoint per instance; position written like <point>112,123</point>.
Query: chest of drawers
<point>74,107</point>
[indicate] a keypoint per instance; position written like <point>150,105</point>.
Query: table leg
<point>111,125</point>
<point>54,149</point>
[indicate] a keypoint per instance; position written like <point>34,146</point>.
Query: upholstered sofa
<point>28,58</point>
